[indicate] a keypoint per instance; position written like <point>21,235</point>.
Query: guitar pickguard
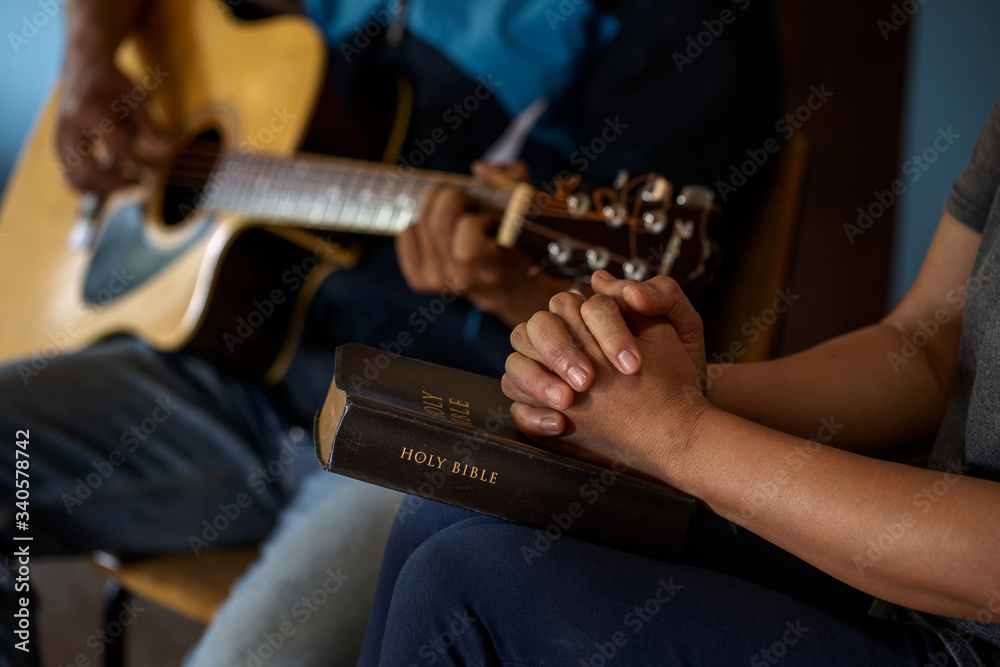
<point>126,257</point>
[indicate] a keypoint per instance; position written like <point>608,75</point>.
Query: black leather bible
<point>447,434</point>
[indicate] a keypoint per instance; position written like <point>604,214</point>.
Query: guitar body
<point>141,266</point>
<point>214,255</point>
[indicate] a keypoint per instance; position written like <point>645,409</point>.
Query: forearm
<point>95,28</point>
<point>922,539</point>
<point>858,387</point>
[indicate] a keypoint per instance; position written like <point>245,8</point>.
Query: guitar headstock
<point>635,229</point>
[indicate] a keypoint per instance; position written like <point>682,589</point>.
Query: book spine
<point>468,469</point>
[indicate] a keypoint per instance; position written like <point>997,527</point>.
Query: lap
<point>468,594</point>
<point>132,449</point>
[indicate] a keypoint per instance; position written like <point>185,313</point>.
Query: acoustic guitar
<point>221,253</point>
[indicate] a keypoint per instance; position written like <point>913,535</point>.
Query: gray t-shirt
<point>968,441</point>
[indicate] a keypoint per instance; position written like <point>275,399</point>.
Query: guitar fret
<point>406,215</point>
<point>384,214</point>
<point>366,210</point>
<point>318,210</point>
<point>336,198</point>
<point>330,193</point>
<point>280,184</point>
<point>350,208</point>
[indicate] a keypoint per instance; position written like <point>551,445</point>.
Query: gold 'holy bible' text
<point>454,467</point>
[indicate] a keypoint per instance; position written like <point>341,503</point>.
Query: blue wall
<point>27,68</point>
<point>954,78</point>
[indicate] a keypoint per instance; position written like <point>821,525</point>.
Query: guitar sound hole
<point>184,189</point>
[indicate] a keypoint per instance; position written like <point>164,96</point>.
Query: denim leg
<point>469,595</point>
<point>307,599</point>
<point>131,450</point>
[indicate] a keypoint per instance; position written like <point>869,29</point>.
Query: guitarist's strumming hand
<point>641,410</point>
<point>104,137</point>
<point>450,248</point>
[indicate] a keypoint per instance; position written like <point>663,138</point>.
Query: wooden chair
<point>189,585</point>
<point>765,264</point>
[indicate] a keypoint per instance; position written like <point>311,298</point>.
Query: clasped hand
<point>450,248</point>
<point>613,379</point>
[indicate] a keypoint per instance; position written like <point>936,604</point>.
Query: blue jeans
<point>458,588</point>
<point>139,452</point>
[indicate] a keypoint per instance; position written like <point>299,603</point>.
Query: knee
<point>462,562</point>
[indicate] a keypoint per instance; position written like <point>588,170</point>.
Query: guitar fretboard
<point>331,193</point>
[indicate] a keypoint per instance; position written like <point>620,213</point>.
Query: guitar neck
<point>338,194</point>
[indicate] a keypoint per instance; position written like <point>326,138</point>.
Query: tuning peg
<point>654,221</point>
<point>685,230</point>
<point>598,258</point>
<point>696,195</point>
<point>578,203</point>
<point>635,269</point>
<point>560,252</point>
<point>656,190</point>
<point>615,214</point>
<point>621,180</point>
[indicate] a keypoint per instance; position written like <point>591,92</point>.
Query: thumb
<point>662,296</point>
<point>154,142</point>
<point>498,174</point>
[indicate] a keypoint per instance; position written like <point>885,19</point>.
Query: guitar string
<point>432,178</point>
<point>278,167</point>
<point>331,176</point>
<point>529,225</point>
<point>282,164</point>
<point>415,186</point>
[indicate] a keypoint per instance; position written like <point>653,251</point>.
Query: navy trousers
<point>459,588</point>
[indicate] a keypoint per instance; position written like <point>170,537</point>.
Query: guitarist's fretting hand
<point>100,105</point>
<point>450,249</point>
